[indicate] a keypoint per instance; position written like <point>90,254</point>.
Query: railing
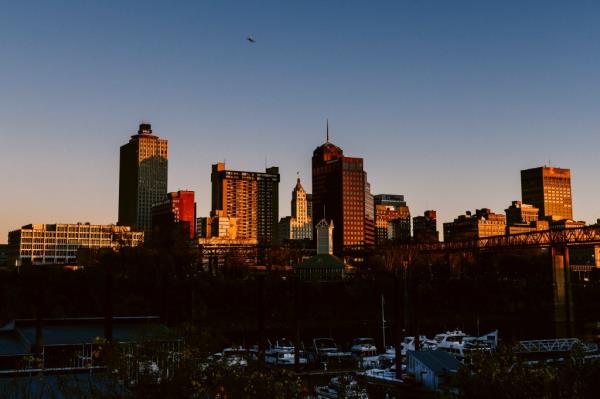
<point>545,238</point>
<point>553,345</point>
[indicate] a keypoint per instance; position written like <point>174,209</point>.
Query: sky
<point>446,101</point>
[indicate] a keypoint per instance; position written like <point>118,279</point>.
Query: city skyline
<point>439,102</point>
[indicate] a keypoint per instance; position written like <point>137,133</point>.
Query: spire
<point>327,141</point>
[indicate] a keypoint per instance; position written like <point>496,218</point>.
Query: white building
<point>325,237</point>
<point>59,243</point>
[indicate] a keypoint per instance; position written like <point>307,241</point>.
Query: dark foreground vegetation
<point>511,292</point>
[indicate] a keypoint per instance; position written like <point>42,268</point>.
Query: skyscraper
<point>299,225</point>
<point>549,190</point>
<point>252,198</point>
<point>338,185</point>
<point>142,177</point>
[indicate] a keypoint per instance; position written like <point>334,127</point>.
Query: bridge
<point>557,241</point>
<point>588,235</point>
<point>561,345</point>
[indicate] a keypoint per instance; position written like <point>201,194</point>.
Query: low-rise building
<point>72,345</point>
<point>524,218</point>
<point>59,244</point>
<point>433,369</point>
<point>324,265</point>
<point>425,227</point>
<point>484,223</point>
<point>566,224</point>
<point>3,254</point>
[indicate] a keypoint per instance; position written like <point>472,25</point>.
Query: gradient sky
<point>445,100</point>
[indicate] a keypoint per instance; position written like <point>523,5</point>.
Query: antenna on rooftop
<point>327,140</point>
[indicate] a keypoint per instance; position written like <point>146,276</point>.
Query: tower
<point>143,174</point>
<point>338,194</point>
<point>549,190</point>
<point>324,237</point>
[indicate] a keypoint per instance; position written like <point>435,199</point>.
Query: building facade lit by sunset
<point>338,184</point>
<point>549,190</point>
<point>524,218</point>
<point>298,226</point>
<point>39,244</point>
<point>176,212</point>
<point>249,198</point>
<point>392,218</point>
<point>142,178</point>
<point>484,223</point>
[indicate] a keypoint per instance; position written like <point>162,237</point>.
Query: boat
<point>365,352</point>
<point>235,356</point>
<point>283,352</point>
<point>424,344</point>
<point>342,387</point>
<point>462,345</point>
<point>325,351</point>
<point>387,374</point>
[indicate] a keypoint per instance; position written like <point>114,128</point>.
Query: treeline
<point>511,292</point>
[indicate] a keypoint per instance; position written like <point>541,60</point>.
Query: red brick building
<point>178,211</point>
<point>338,184</point>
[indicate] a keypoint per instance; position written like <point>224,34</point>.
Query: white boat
<point>283,353</point>
<point>462,345</point>
<point>384,374</point>
<point>345,387</point>
<point>365,352</point>
<point>232,357</point>
<point>325,350</point>
<point>425,344</point>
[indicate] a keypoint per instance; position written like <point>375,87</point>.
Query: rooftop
<point>322,261</point>
<point>17,337</point>
<point>437,361</point>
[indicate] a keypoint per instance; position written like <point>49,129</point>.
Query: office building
<point>523,218</point>
<point>142,178</point>
<point>176,213</point>
<point>484,223</point>
<point>392,218</point>
<point>425,227</point>
<point>338,185</point>
<point>299,225</point>
<point>39,244</point>
<point>252,198</point>
<point>549,190</point>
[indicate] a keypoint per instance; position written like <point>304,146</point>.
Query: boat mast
<point>383,321</point>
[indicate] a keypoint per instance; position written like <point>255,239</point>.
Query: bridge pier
<point>561,292</point>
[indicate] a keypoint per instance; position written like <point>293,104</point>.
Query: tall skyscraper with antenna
<point>338,184</point>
